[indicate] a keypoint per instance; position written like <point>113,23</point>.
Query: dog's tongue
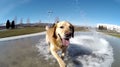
<point>65,42</point>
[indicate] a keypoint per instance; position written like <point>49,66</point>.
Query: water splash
<point>90,51</point>
<point>84,51</point>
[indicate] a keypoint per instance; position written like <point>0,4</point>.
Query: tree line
<point>10,24</point>
<point>101,27</point>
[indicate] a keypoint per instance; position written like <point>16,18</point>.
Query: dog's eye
<point>70,27</point>
<point>61,27</point>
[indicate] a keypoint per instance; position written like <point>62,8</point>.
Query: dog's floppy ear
<point>72,30</point>
<point>55,23</point>
<point>54,31</point>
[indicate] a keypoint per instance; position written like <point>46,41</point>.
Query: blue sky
<point>78,12</point>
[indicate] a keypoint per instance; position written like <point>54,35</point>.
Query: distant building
<point>110,27</point>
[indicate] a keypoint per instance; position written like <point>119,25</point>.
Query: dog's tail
<point>47,27</point>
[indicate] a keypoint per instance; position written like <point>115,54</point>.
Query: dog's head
<point>64,30</point>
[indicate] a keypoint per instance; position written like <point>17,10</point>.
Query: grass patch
<point>29,30</point>
<point>20,31</point>
<point>83,29</point>
<point>112,33</point>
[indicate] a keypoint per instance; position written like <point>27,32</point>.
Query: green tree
<point>7,24</point>
<point>13,24</point>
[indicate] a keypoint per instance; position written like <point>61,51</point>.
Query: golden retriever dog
<point>58,37</point>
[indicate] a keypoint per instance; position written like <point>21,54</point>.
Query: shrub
<point>7,24</point>
<point>13,24</point>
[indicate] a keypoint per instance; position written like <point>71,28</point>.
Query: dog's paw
<point>62,57</point>
<point>49,53</point>
<point>63,65</point>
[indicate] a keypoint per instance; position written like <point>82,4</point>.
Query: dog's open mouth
<point>65,41</point>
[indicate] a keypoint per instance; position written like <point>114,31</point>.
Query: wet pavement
<point>34,49</point>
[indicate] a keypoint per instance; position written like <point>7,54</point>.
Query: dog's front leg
<point>63,52</point>
<point>54,53</point>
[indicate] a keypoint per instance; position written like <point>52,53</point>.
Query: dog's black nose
<point>67,34</point>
